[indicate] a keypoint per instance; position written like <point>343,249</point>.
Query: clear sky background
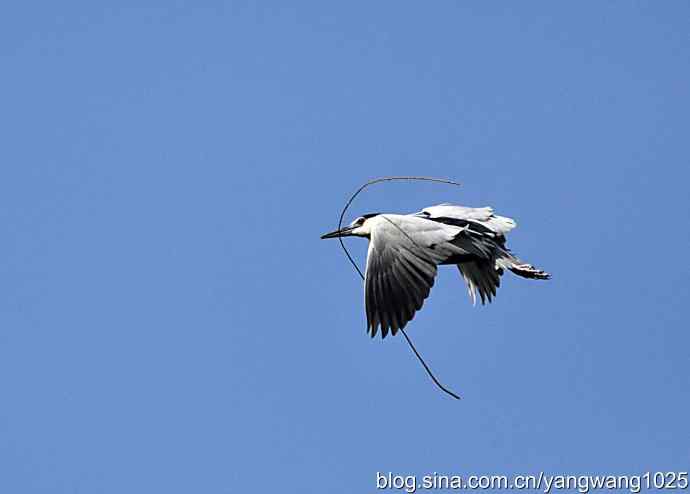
<point>170,321</point>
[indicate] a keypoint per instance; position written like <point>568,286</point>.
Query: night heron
<point>404,251</point>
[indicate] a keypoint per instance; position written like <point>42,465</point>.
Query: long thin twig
<point>347,253</point>
<point>426,367</point>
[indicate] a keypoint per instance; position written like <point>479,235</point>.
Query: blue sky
<point>171,322</point>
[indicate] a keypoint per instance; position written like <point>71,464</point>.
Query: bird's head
<point>360,227</point>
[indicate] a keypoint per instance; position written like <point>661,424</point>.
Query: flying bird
<point>405,250</point>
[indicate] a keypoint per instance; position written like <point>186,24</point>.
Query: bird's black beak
<point>343,232</point>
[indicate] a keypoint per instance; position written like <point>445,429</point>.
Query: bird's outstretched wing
<point>401,267</point>
<point>483,220</point>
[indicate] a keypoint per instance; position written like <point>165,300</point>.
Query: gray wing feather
<point>401,268</point>
<point>397,284</point>
<point>481,276</point>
